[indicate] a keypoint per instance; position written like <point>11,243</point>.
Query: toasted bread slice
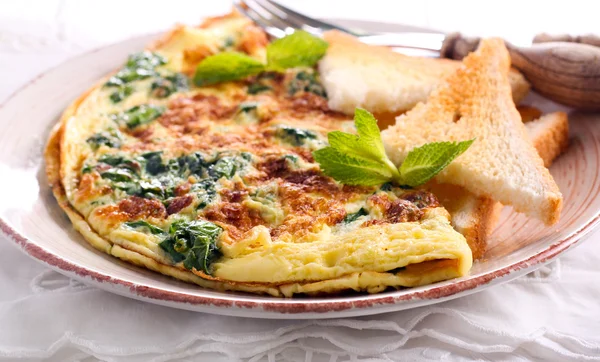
<point>550,135</point>
<point>475,217</point>
<point>529,113</point>
<point>475,103</point>
<point>380,80</point>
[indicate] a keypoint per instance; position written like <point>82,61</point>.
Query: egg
<point>216,185</point>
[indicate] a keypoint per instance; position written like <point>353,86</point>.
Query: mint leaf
<point>299,49</point>
<point>351,170</point>
<point>225,67</point>
<point>365,149</point>
<point>367,129</point>
<point>361,159</point>
<point>423,163</point>
<point>367,144</point>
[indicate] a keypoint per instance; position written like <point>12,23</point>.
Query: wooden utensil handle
<point>566,72</point>
<point>583,39</point>
<point>456,46</point>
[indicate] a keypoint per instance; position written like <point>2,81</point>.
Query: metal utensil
<point>278,20</point>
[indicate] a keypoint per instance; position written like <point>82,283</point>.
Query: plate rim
<point>235,305</point>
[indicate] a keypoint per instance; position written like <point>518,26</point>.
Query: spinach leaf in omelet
<point>354,216</point>
<point>295,136</point>
<point>141,224</point>
<point>256,88</point>
<point>110,138</point>
<point>193,242</point>
<point>306,81</point>
<point>139,66</point>
<point>228,166</point>
<point>138,115</point>
<point>145,60</point>
<point>121,93</point>
<point>151,176</point>
<point>205,192</point>
<point>164,86</point>
<point>154,164</point>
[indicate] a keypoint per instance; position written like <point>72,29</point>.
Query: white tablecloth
<point>552,314</point>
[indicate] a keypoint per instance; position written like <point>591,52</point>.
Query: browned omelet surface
<point>217,185</point>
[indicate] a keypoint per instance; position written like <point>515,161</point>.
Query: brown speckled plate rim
<point>290,306</point>
<point>240,305</point>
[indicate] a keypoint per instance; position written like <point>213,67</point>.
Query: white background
<point>553,314</point>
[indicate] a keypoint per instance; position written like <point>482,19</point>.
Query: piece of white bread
<point>549,135</point>
<point>475,217</point>
<point>475,103</point>
<point>380,80</point>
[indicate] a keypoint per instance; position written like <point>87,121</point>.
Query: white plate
<point>31,218</point>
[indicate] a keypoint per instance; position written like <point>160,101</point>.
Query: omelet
<point>216,185</point>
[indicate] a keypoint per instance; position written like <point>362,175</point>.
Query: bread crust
<point>552,138</point>
<point>475,103</point>
<point>484,221</point>
<point>381,80</point>
<point>476,217</point>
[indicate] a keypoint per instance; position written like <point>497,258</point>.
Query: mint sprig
<point>225,67</point>
<point>361,159</point>
<point>299,49</point>
<point>351,169</point>
<point>423,163</point>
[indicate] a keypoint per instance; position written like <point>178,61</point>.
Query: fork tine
<point>278,21</point>
<point>269,17</point>
<point>287,19</point>
<point>272,25</point>
<point>299,20</point>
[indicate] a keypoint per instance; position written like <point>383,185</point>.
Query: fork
<point>562,68</point>
<point>278,21</point>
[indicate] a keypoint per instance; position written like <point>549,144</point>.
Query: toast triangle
<point>381,80</point>
<point>475,103</point>
<point>475,217</point>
